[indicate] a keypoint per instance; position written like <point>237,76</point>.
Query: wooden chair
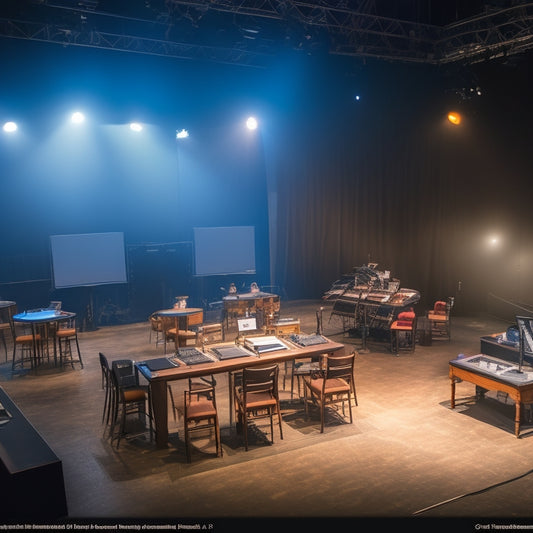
<point>168,329</point>
<point>130,398</point>
<point>108,388</point>
<point>299,369</point>
<point>185,333</point>
<point>211,330</point>
<point>403,332</point>
<point>200,414</point>
<point>439,318</point>
<point>256,396</point>
<point>155,327</point>
<point>333,385</point>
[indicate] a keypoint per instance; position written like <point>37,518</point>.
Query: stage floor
<point>406,456</point>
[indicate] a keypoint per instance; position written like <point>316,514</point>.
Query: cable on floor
<point>420,511</point>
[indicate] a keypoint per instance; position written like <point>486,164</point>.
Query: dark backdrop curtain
<point>387,180</point>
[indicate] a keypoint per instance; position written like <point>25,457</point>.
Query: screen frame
<point>234,248</point>
<point>88,259</point>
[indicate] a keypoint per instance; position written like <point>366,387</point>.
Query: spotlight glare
<point>251,123</point>
<point>182,134</point>
<point>135,126</point>
<point>10,127</point>
<point>77,117</point>
<point>454,118</point>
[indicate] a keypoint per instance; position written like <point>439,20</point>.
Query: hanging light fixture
<point>454,117</point>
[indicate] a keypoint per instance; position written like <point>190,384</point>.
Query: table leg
<point>158,392</point>
<point>452,401</point>
<point>517,419</point>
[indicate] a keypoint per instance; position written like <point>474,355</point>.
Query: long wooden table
<point>159,380</point>
<point>490,373</point>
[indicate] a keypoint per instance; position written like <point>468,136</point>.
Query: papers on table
<point>265,344</point>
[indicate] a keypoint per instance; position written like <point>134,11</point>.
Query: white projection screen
<point>88,259</point>
<point>224,250</point>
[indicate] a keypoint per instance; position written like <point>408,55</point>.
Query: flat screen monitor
<point>88,259</point>
<point>525,330</point>
<point>224,250</point>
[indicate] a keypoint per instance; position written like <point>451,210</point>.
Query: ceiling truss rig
<point>355,32</point>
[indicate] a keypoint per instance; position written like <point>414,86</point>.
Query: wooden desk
<point>491,373</point>
<point>158,380</point>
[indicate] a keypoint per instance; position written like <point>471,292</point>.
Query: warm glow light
<point>494,241</point>
<point>251,123</point>
<point>454,118</point>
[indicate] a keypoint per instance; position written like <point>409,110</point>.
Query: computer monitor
<point>525,330</point>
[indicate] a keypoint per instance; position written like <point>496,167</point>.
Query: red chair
<point>439,318</point>
<point>403,332</point>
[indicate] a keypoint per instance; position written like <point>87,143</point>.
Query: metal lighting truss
<point>252,32</point>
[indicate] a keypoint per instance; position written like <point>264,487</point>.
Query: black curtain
<point>387,179</point>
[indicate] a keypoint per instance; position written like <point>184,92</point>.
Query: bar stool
<point>65,335</point>
<point>28,344</point>
<point>7,310</point>
<point>130,398</point>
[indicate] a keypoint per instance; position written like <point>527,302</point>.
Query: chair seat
<point>22,339</point>
<point>66,332</point>
<point>260,399</point>
<point>187,333</point>
<point>333,386</point>
<point>212,328</point>
<point>201,408</point>
<point>401,327</point>
<point>134,395</point>
<point>437,317</point>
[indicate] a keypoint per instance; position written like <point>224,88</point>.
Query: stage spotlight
<point>494,241</point>
<point>251,123</point>
<point>454,117</point>
<point>10,127</point>
<point>77,117</point>
<point>182,134</point>
<point>135,126</point>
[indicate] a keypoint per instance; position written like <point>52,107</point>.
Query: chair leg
<point>217,437</point>
<point>279,422</point>
<point>78,350</point>
<point>4,343</point>
<point>350,407</point>
<point>171,394</point>
<point>245,429</point>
